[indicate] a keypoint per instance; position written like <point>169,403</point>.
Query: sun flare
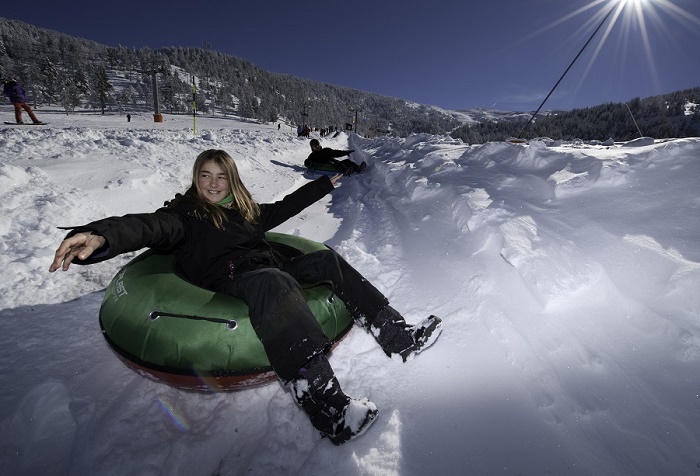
<point>637,17</point>
<point>633,16</point>
<point>629,21</point>
<point>634,3</point>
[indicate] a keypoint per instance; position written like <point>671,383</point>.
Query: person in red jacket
<point>325,158</point>
<point>18,98</point>
<point>216,232</point>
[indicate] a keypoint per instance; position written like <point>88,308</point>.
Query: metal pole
<point>303,116</point>
<point>156,106</point>
<point>356,119</point>
<point>194,107</point>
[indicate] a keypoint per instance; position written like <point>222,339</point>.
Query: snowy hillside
<point>567,279</point>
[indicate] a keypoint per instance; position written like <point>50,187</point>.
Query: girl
<point>216,231</point>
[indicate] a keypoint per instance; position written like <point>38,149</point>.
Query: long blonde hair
<point>243,201</point>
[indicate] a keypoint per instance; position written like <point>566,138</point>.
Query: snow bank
<point>567,279</point>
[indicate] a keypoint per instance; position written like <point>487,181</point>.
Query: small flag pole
<point>194,107</point>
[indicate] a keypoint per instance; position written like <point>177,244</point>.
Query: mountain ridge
<point>78,73</point>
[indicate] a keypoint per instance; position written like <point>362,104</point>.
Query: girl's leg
<point>333,413</point>
<point>361,298</point>
<point>366,304</point>
<point>281,318</point>
<point>295,343</point>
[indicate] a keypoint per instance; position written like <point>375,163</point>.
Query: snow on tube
<point>164,327</point>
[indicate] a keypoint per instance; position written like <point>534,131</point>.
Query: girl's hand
<point>81,245</point>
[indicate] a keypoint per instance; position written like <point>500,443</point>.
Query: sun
<point>635,3</point>
<point>634,16</point>
<point>632,20</point>
<point>642,15</point>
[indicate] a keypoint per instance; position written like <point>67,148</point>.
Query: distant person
<point>128,118</point>
<point>18,98</point>
<point>326,158</point>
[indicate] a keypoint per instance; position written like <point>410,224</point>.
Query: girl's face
<point>212,182</point>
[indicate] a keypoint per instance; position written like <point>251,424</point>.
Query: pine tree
<point>101,87</point>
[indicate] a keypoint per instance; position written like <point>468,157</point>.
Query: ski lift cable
<point>567,70</point>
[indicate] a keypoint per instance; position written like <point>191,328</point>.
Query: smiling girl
<point>216,231</point>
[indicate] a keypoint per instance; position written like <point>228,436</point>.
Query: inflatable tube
<point>167,328</point>
<point>313,173</point>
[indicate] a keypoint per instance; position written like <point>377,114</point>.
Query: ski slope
<point>566,277</point>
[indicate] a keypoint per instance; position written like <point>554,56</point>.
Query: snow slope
<point>567,279</point>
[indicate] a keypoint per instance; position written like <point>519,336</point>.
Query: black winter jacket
<point>205,254</point>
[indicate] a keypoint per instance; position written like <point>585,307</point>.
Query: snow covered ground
<point>567,278</point>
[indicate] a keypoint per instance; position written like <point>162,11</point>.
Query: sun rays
<point>633,15</point>
<point>629,23</point>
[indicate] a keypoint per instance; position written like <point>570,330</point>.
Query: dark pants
<point>280,316</point>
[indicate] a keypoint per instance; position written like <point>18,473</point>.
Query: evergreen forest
<point>81,75</point>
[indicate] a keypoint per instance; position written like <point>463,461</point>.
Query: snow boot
<point>334,414</point>
<point>397,338</point>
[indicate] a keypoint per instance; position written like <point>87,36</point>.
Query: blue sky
<point>499,54</point>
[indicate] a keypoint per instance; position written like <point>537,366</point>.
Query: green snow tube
<point>167,328</point>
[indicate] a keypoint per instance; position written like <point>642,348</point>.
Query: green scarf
<point>226,200</point>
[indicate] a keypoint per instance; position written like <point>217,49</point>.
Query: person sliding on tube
<point>327,159</point>
<point>216,232</point>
